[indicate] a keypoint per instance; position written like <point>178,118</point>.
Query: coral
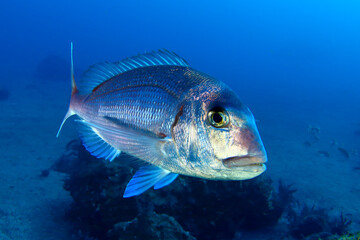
<point>315,223</point>
<point>216,209</point>
<point>99,208</point>
<point>286,194</point>
<point>310,221</point>
<point>100,211</point>
<point>189,208</point>
<point>350,236</point>
<point>340,225</point>
<point>328,236</point>
<point>153,227</point>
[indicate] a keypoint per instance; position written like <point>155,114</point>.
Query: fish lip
<point>245,161</point>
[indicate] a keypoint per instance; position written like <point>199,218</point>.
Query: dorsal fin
<point>101,72</point>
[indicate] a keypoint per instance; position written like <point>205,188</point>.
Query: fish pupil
<point>217,118</point>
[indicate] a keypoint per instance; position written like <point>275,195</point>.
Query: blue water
<point>294,63</point>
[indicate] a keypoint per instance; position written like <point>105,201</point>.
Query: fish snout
<point>253,149</point>
<point>247,137</point>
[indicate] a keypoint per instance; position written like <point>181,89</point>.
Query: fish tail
<point>74,90</point>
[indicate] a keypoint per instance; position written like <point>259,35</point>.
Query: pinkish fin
<point>74,90</point>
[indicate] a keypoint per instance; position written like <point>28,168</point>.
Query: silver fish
<point>178,120</point>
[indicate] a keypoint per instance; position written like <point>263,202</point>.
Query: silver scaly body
<point>156,108</point>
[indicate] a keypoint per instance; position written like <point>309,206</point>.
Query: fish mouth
<point>245,161</point>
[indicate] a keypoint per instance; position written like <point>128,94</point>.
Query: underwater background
<point>295,64</point>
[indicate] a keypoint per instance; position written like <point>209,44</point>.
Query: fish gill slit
<point>161,135</point>
<point>176,120</point>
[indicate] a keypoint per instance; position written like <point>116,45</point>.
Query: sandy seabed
<point>32,207</point>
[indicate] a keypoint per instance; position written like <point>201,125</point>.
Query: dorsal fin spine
<point>129,62</point>
<point>149,60</point>
<point>143,61</point>
<point>74,89</point>
<point>73,84</point>
<point>136,62</point>
<point>164,59</point>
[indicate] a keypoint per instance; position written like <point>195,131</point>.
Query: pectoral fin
<point>146,177</point>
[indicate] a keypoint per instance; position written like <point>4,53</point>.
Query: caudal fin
<point>74,90</point>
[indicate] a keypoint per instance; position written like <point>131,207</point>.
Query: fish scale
<point>147,101</point>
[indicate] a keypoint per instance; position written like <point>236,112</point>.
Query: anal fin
<point>146,177</point>
<point>95,144</point>
<point>166,180</point>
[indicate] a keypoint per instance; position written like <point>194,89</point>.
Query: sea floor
<point>32,207</point>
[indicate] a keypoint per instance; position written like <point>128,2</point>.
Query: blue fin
<point>101,72</point>
<point>94,143</point>
<point>145,178</point>
<point>166,180</point>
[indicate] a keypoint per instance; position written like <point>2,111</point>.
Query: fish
<point>175,119</point>
<point>307,143</point>
<point>324,153</point>
<point>344,152</point>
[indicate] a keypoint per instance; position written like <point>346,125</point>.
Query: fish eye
<point>218,117</point>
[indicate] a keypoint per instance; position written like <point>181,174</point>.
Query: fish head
<point>227,142</point>
<point>236,144</point>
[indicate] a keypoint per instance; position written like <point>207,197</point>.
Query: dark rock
<point>74,159</point>
<point>153,227</point>
<point>98,202</point>
<point>216,209</point>
<point>206,209</point>
<point>45,173</point>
